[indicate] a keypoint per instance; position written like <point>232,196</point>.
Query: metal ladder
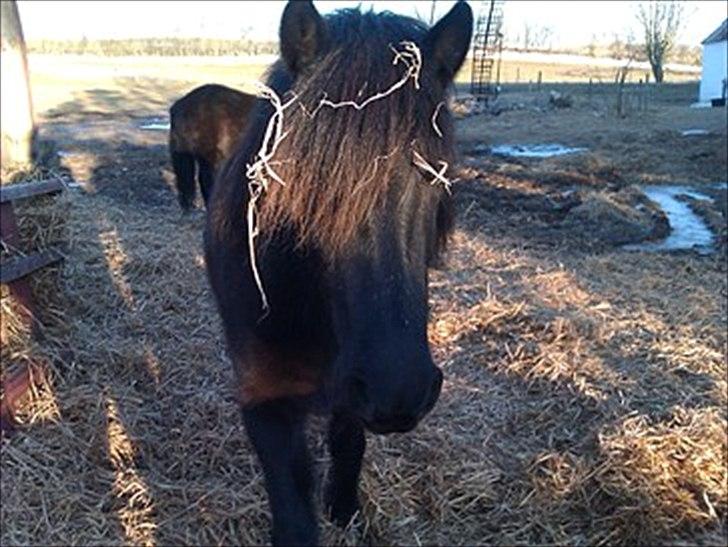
<point>487,47</point>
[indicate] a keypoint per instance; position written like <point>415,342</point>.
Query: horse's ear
<point>302,34</point>
<point>447,43</point>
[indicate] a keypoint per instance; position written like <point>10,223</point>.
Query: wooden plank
<point>8,225</point>
<point>14,269</point>
<point>7,420</point>
<point>13,273</point>
<point>19,290</point>
<point>22,294</point>
<point>15,386</point>
<point>11,192</point>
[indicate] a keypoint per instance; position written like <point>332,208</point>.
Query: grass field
<point>147,82</point>
<point>585,394</point>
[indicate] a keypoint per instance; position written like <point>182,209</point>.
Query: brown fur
<point>208,121</point>
<point>265,375</point>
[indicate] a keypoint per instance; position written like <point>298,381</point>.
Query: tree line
<point>154,46</point>
<point>619,48</point>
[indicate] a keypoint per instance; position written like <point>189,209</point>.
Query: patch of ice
<point>677,190</point>
<point>688,230</point>
<point>692,132</point>
<point>155,126</point>
<point>701,105</point>
<point>533,150</point>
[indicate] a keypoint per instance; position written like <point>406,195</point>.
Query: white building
<point>715,64</point>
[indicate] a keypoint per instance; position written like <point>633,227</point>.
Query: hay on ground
<point>584,400</point>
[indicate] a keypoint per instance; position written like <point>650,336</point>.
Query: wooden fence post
<point>16,105</point>
<point>14,273</point>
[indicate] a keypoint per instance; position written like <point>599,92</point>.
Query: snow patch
<point>534,150</point>
<point>688,230</point>
<point>155,124</point>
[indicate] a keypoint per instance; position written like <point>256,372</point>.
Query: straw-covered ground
<point>42,223</point>
<point>585,395</point>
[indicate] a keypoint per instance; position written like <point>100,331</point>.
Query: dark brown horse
<point>204,128</point>
<point>354,161</point>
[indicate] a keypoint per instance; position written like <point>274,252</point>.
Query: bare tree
<point>534,36</point>
<point>629,53</point>
<point>527,35</point>
<point>625,47</point>
<point>542,37</point>
<point>591,48</point>
<point>660,22</point>
<point>16,106</point>
<point>618,47</point>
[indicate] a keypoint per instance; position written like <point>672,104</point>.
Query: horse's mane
<point>340,163</point>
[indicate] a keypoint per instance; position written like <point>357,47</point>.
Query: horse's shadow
<point>560,410</point>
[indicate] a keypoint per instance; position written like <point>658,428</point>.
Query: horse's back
<point>210,96</point>
<point>208,121</point>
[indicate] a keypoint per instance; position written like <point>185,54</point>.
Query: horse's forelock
<point>338,163</point>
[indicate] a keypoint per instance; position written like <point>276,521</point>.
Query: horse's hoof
<point>341,509</point>
<point>303,536</point>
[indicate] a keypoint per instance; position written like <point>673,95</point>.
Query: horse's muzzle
<point>403,418</point>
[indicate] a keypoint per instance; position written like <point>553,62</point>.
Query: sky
<point>573,23</point>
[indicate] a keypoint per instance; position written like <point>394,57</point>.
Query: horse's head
<point>365,161</point>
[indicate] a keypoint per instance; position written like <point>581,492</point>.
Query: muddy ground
<point>586,385</point>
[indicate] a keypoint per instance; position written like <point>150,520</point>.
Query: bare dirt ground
<point>586,385</point>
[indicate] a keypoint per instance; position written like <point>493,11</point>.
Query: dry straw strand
<point>375,168</point>
<point>410,56</point>
<point>260,173</point>
<point>434,118</point>
<point>438,176</point>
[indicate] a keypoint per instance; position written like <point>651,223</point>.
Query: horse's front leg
<point>276,430</point>
<point>346,444</point>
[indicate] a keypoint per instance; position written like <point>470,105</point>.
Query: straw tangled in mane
<point>261,172</point>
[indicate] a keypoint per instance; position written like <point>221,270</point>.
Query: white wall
<point>715,69</point>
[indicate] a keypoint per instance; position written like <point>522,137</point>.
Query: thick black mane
<point>339,164</point>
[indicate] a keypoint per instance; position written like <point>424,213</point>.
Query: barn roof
<point>718,35</point>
